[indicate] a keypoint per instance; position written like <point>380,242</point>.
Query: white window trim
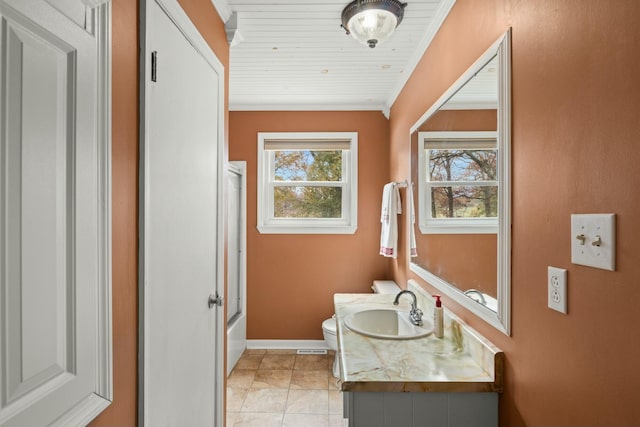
<point>430,225</point>
<point>348,224</point>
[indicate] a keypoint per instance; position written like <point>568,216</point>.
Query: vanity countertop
<point>462,361</point>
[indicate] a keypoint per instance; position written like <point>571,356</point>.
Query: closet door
<point>180,226</point>
<point>54,215</point>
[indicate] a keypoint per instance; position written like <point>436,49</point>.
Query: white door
<point>54,216</point>
<point>236,264</point>
<point>180,252</point>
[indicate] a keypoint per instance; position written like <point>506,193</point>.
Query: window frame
<point>267,223</point>
<point>427,223</point>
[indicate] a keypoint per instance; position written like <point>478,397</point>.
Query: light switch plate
<point>557,289</point>
<point>593,240</point>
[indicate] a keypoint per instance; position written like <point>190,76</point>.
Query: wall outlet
<point>557,289</point>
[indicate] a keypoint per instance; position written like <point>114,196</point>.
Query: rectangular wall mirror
<point>461,170</point>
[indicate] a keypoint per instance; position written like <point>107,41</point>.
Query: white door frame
<point>180,19</point>
<point>239,167</point>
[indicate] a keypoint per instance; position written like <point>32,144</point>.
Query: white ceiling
<point>293,55</point>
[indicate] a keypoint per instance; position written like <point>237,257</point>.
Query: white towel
<point>391,207</point>
<point>413,249</point>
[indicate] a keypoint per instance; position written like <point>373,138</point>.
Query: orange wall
<point>462,120</point>
<point>123,411</point>
<point>291,278</point>
<point>468,261</point>
<point>575,94</point>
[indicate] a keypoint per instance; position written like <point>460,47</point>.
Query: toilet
<point>330,338</point>
<point>329,325</point>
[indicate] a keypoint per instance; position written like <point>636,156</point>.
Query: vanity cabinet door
<point>371,409</point>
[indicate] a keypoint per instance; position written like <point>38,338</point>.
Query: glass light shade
<point>372,26</point>
<point>372,21</point>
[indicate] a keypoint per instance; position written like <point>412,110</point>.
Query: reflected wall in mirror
<point>460,169</point>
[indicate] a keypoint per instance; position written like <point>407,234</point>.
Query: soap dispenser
<point>438,320</point>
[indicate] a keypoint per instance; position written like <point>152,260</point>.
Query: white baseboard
<point>287,344</point>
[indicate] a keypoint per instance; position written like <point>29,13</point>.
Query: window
<point>458,182</point>
<point>307,183</point>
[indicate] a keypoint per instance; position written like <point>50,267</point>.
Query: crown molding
<point>309,107</point>
<point>223,9</point>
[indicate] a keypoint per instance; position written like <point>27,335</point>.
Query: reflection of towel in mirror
<point>413,249</point>
<point>391,207</point>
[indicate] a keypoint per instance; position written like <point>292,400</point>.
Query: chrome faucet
<point>415,315</point>
<point>476,292</point>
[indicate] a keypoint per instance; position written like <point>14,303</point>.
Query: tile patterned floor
<point>280,388</point>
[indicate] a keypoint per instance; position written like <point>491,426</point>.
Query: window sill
<point>307,229</point>
<point>460,226</point>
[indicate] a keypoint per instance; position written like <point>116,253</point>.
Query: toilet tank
<point>385,287</point>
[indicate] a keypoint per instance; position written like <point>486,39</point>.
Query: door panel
<point>53,212</point>
<point>180,230</point>
<point>39,169</point>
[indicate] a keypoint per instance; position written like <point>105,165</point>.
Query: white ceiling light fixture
<point>372,21</point>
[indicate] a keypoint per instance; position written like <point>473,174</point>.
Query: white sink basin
<point>386,323</point>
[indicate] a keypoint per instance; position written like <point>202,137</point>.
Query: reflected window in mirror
<point>461,169</point>
<point>458,182</point>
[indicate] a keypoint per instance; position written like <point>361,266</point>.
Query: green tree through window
<point>310,173</point>
<point>464,166</point>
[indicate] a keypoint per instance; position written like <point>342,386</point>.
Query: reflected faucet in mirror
<point>476,295</point>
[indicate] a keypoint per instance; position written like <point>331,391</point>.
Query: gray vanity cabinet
<point>451,382</point>
<point>387,409</point>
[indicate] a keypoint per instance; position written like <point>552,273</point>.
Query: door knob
<point>215,300</point>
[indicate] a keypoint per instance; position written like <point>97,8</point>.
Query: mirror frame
<point>501,319</point>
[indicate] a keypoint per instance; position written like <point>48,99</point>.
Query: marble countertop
<point>462,361</point>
